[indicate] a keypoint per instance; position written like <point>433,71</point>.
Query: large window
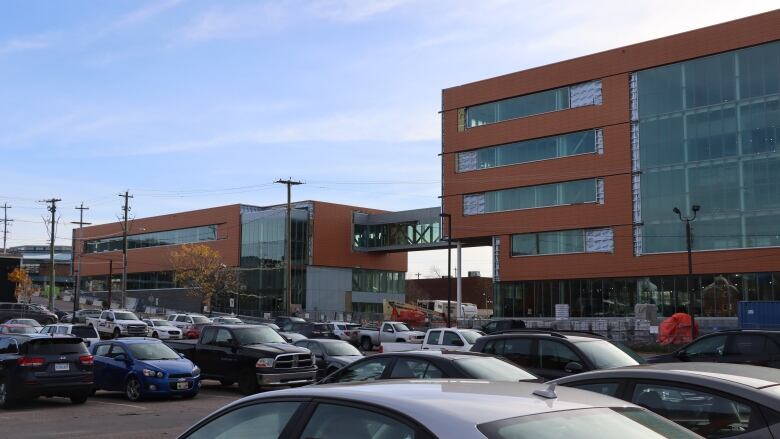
<point>546,195</point>
<point>377,281</point>
<point>154,239</point>
<point>560,242</point>
<point>581,142</point>
<point>588,93</point>
<point>707,134</point>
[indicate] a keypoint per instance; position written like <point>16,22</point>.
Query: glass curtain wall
<point>396,234</point>
<point>378,281</point>
<point>555,194</point>
<point>520,106</point>
<point>263,243</point>
<point>708,135</point>
<point>154,239</point>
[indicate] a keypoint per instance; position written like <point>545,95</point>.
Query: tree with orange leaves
<point>200,269</point>
<point>24,289</point>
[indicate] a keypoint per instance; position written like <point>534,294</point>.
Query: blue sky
<point>190,104</point>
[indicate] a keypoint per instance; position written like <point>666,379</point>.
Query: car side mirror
<point>458,343</point>
<point>319,356</point>
<point>681,354</point>
<point>573,367</point>
<point>109,319</point>
<point>122,357</point>
<point>182,355</point>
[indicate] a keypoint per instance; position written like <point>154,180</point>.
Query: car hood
<point>180,365</point>
<point>166,328</point>
<point>129,322</point>
<point>665,358</point>
<point>345,359</point>
<point>276,348</point>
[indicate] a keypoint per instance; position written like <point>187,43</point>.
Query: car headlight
<point>265,362</point>
<point>153,373</point>
<point>195,371</point>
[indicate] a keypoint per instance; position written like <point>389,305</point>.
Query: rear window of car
<point>84,332</point>
<point>605,355</point>
<point>56,346</point>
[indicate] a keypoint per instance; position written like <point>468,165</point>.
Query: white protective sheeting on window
<point>587,93</point>
<point>599,240</point>
<point>600,190</point>
<point>473,204</point>
<point>637,240</point>
<point>634,96</point>
<point>636,198</point>
<point>599,133</point>
<point>467,161</point>
<point>496,258</point>
<point>635,166</point>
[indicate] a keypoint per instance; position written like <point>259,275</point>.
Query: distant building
<point>35,259</point>
<point>476,290</point>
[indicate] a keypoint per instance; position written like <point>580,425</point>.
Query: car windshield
<point>200,319</point>
<point>160,323</point>
<point>152,351</point>
<point>605,355</point>
<point>21,330</point>
<point>230,320</point>
<point>593,423</point>
<point>125,316</point>
<point>29,322</point>
<point>341,349</point>
<point>470,336</point>
<point>84,332</point>
<point>256,335</point>
<point>494,369</point>
<point>400,327</point>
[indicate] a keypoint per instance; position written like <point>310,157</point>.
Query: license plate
<point>61,367</point>
<point>183,385</point>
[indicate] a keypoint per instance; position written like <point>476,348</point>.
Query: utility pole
<point>110,281</point>
<point>288,248</point>
<point>5,224</point>
<point>78,242</point>
<point>125,209</point>
<point>52,202</point>
<point>449,265</point>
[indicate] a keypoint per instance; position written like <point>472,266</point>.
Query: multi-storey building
<point>571,171</point>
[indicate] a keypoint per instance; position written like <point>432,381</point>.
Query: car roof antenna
<point>548,393</point>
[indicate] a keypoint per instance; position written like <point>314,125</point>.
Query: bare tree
<point>435,271</point>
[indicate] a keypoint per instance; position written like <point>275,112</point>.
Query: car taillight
<point>86,360</point>
<point>31,361</point>
<point>381,349</point>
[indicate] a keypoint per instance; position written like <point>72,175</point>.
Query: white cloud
<point>145,13</point>
<point>37,42</point>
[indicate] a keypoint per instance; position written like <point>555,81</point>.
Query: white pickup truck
<point>388,332</point>
<point>114,323</point>
<point>439,339</point>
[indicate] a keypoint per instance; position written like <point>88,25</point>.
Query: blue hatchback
<point>143,367</point>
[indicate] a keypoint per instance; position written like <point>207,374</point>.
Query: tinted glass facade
<point>529,197</point>
<point>135,281</point>
<point>170,237</point>
<point>581,142</point>
<point>708,135</point>
<point>521,106</point>
<point>378,281</point>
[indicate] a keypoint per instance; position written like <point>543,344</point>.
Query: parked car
<point>117,322</point>
<point>9,310</point>
<point>285,322</point>
<point>312,330</point>
<point>330,355</point>
<point>345,330</point>
<point>7,328</point>
<point>159,328</point>
<point>756,347</point>
<point>441,409</point>
<point>710,399</point>
<point>192,332</point>
<point>555,354</point>
<point>254,355</point>
<point>185,321</point>
<point>497,325</point>
<point>388,332</point>
<point>227,320</point>
<point>451,339</point>
<point>143,367</point>
<point>81,315</point>
<point>33,365</point>
<point>26,322</point>
<point>86,333</point>
<point>430,365</point>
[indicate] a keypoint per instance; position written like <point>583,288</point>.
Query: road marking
<point>123,405</point>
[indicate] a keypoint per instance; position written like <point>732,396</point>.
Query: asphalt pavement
<point>110,415</point>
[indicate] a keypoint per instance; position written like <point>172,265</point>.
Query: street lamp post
<point>691,297</point>
<point>449,264</point>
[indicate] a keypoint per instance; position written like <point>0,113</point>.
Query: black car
<point>312,330</point>
<point>285,323</point>
<point>502,325</point>
<point>330,355</point>
<point>9,310</point>
<point>555,354</point>
<point>756,347</point>
<point>430,365</point>
<point>35,365</point>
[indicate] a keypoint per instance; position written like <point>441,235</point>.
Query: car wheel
<point>400,340</point>
<point>247,383</point>
<point>79,398</point>
<point>226,383</point>
<point>155,334</point>
<point>6,401</point>
<point>117,332</point>
<point>133,389</point>
<point>365,344</point>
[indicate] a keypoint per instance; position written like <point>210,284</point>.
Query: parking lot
<point>109,414</point>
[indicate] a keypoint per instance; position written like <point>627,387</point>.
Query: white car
<point>346,331</point>
<point>462,409</point>
<point>227,320</point>
<point>87,333</point>
<point>185,321</point>
<point>162,329</point>
<point>26,322</point>
<point>439,339</point>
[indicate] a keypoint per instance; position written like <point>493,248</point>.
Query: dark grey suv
<point>10,310</point>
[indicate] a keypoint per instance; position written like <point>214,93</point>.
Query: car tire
<point>79,398</point>
<point>226,383</point>
<point>155,334</point>
<point>365,344</point>
<point>116,333</point>
<point>133,389</point>
<point>247,383</point>
<point>400,340</point>
<point>6,400</point>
